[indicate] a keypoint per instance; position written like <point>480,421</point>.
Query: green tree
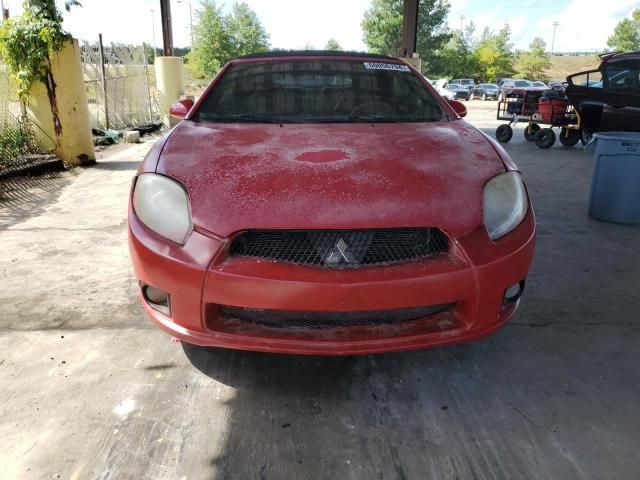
<point>333,44</point>
<point>382,28</point>
<point>535,62</point>
<point>493,54</point>
<point>218,38</point>
<point>212,44</point>
<point>626,35</point>
<point>456,58</point>
<point>246,31</point>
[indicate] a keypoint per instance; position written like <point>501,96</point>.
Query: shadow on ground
<point>487,410</point>
<point>117,165</point>
<point>27,197</point>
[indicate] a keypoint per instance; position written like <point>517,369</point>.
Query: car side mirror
<point>181,108</point>
<point>458,107</point>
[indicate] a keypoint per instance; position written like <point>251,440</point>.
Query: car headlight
<point>163,206</point>
<point>504,203</point>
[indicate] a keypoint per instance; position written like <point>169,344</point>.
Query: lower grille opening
<point>288,319</point>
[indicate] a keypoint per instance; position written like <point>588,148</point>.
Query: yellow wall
<point>61,110</point>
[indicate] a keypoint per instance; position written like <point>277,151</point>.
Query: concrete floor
<point>89,389</point>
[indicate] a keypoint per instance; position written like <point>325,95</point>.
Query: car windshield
<point>489,86</point>
<point>468,82</point>
<point>521,83</point>
<point>538,84</point>
<point>319,91</point>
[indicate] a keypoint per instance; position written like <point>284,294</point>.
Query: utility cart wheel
<point>504,133</point>
<point>585,137</point>
<point>569,137</point>
<point>545,138</point>
<point>530,132</point>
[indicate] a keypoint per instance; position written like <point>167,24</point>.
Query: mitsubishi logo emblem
<point>339,254</point>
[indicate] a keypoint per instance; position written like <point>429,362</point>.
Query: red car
<point>325,203</point>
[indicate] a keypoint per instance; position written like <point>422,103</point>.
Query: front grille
<point>308,319</point>
<point>341,248</point>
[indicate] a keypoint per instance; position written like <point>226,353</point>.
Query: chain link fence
<point>20,136</point>
<point>120,85</point>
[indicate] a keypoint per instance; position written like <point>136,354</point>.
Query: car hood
<point>331,176</point>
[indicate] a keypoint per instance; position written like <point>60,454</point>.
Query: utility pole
<point>409,49</point>
<point>5,12</point>
<point>409,27</point>
<point>462,19</point>
<point>553,40</point>
<point>167,29</point>
<point>190,19</point>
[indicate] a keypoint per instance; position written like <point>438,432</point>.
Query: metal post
<point>153,31</point>
<point>553,40</point>
<point>409,27</point>
<point>104,82</point>
<point>146,79</point>
<point>462,19</point>
<point>167,30</point>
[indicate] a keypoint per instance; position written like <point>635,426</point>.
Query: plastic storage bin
<point>615,183</point>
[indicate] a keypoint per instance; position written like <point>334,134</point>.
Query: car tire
<point>585,137</point>
<point>530,132</point>
<point>545,138</point>
<point>504,133</point>
<point>484,97</point>
<point>569,137</point>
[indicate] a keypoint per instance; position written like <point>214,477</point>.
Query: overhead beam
<point>167,29</point>
<point>409,27</point>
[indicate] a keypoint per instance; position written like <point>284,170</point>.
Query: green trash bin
<point>615,183</point>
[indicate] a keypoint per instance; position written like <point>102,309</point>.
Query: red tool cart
<point>535,108</point>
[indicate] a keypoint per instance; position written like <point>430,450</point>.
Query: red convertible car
<point>324,203</point>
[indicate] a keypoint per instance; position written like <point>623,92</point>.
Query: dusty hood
<point>252,176</point>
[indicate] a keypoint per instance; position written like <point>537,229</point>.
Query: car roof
<point>315,53</point>
<point>619,56</point>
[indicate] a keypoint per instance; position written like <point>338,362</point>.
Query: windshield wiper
<point>241,117</point>
<point>371,118</point>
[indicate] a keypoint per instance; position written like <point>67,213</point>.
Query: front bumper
<point>200,277</point>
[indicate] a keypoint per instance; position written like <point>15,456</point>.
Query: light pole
<point>462,19</point>
<point>153,30</point>
<point>553,40</point>
<point>190,19</point>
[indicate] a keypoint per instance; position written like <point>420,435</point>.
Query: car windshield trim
<point>319,90</point>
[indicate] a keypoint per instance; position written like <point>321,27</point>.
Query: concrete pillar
<point>60,107</point>
<point>170,82</point>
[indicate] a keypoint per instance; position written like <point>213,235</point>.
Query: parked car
<point>460,92</point>
<point>506,84</point>
<point>558,85</point>
<point>485,91</point>
<point>327,203</point>
<point>467,83</point>
<point>442,87</point>
<point>539,84</point>
<point>608,98</point>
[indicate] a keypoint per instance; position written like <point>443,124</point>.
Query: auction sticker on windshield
<point>386,66</point>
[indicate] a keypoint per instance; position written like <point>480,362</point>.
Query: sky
<point>583,25</point>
